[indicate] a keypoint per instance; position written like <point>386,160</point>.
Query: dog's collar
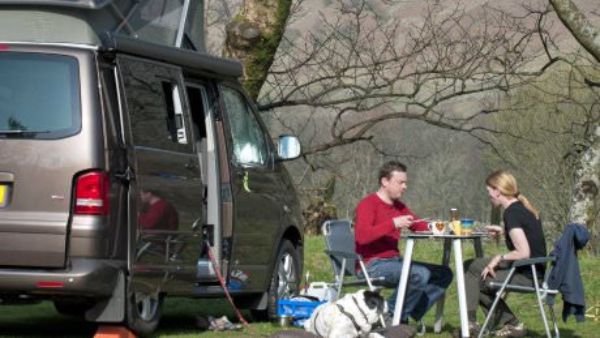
<point>343,311</point>
<point>315,324</point>
<point>361,310</point>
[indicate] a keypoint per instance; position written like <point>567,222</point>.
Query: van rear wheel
<point>284,280</point>
<point>144,311</point>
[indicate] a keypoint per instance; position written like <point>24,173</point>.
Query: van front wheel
<point>144,311</point>
<point>284,279</point>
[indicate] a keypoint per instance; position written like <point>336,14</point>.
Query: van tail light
<point>47,284</point>
<point>91,194</point>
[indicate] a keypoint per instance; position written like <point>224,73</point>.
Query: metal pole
<point>460,285</point>
<point>410,243</point>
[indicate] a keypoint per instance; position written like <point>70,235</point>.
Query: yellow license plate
<point>3,195</point>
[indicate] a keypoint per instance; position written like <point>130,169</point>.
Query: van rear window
<point>39,96</point>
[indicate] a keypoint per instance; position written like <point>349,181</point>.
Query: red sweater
<point>159,216</point>
<point>374,231</point>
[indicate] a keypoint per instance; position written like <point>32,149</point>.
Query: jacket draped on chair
<point>565,275</point>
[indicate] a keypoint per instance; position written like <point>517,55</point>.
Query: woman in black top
<point>524,239</point>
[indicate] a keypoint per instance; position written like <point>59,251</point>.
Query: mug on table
<point>437,227</point>
<point>461,227</point>
<point>467,225</point>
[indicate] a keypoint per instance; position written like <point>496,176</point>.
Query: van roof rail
<point>182,57</point>
<point>92,4</point>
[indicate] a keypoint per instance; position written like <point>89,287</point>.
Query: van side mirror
<point>288,147</point>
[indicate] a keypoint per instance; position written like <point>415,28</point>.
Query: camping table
<point>450,242</point>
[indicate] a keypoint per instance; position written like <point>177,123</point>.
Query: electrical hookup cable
<point>217,269</point>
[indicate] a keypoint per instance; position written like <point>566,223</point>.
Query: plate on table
<point>430,233</point>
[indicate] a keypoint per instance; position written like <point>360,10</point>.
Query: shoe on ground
<point>398,331</point>
<point>421,330</point>
<point>388,317</point>
<point>512,331</point>
<point>474,329</point>
<point>402,330</point>
<point>222,324</point>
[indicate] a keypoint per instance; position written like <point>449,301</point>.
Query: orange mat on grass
<point>108,331</point>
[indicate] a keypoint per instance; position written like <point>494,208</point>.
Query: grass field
<point>41,320</point>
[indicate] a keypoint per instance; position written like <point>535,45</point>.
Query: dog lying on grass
<point>351,316</point>
<point>398,331</point>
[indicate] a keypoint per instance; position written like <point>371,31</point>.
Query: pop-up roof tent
<point>173,23</point>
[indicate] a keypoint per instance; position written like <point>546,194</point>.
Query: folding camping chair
<point>340,247</point>
<point>339,239</point>
<point>541,291</point>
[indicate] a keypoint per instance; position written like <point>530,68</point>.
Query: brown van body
<point>156,159</point>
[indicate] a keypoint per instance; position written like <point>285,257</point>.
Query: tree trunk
<point>581,29</point>
<point>584,202</point>
<point>320,208</point>
<point>253,37</point>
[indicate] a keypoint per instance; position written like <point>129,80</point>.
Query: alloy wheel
<point>146,305</point>
<point>286,274</point>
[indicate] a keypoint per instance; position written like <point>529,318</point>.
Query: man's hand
<point>402,221</point>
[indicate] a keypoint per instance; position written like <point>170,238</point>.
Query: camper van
<point>133,166</point>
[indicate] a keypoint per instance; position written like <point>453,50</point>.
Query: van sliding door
<point>170,188</point>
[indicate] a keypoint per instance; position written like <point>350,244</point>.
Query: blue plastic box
<point>297,309</point>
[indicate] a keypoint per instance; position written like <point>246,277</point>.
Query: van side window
<point>249,144</point>
<point>155,108</point>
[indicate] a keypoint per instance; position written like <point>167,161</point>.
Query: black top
<point>517,216</point>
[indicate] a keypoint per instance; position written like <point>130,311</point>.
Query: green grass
<point>41,320</point>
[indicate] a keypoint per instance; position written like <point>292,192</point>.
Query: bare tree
<point>368,70</point>
<point>557,113</point>
<point>583,31</point>
<point>363,69</point>
<point>584,202</point>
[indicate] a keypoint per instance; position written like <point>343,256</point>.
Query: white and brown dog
<point>352,316</point>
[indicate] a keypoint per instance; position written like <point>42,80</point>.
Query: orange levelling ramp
<point>107,331</point>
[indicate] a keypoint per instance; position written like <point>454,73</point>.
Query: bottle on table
<point>455,221</point>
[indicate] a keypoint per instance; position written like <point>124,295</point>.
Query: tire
<point>73,307</point>
<point>284,281</point>
<point>144,311</point>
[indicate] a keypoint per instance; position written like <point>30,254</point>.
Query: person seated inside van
<point>157,213</point>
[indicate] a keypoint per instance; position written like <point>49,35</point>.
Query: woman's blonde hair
<point>507,184</point>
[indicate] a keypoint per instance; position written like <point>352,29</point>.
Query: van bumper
<point>85,277</point>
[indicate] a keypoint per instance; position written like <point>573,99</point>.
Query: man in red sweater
<point>380,217</point>
<point>157,213</point>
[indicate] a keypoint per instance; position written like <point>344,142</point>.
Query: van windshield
<point>39,95</point>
